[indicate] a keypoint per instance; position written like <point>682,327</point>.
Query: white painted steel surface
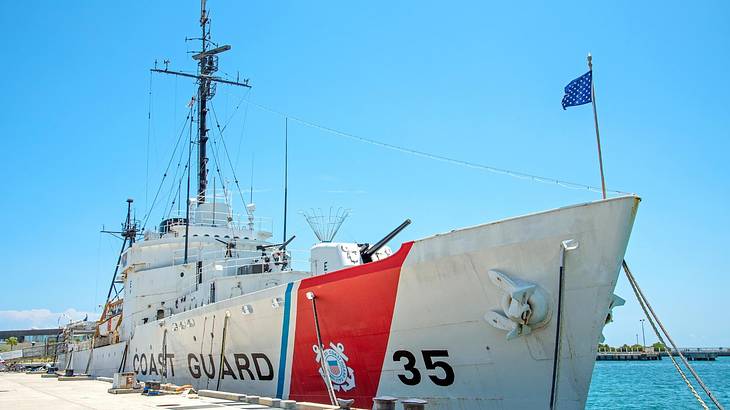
<point>443,294</point>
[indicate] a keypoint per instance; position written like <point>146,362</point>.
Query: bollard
<point>288,404</point>
<point>414,404</point>
<point>345,403</point>
<point>384,403</point>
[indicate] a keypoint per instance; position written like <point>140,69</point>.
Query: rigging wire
<point>216,154</point>
<point>333,131</point>
<point>177,199</point>
<point>386,145</point>
<point>230,117</point>
<point>218,171</point>
<point>164,176</point>
<point>233,171</point>
<point>243,127</point>
<point>172,191</point>
<point>437,157</point>
<point>217,165</point>
<point>174,177</point>
<point>147,152</point>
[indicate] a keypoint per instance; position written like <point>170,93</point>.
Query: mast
<point>129,235</point>
<point>207,60</point>
<point>207,65</point>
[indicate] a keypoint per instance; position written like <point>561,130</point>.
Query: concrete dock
<point>19,391</point>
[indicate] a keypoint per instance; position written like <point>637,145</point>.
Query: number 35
<point>413,376</point>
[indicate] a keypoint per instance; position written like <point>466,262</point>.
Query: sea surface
<point>655,385</point>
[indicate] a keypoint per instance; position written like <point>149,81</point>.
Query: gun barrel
<point>283,245</point>
<point>371,250</point>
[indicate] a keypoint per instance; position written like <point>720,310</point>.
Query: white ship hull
<point>416,324</point>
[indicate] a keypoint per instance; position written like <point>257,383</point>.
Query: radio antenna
<point>286,170</point>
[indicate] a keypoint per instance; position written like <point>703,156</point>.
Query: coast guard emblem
<point>335,361</point>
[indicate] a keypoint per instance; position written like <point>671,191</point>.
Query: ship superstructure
<point>505,314</point>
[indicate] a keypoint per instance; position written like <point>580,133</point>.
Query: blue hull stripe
<point>284,342</point>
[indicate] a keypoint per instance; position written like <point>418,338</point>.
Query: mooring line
<point>651,316</point>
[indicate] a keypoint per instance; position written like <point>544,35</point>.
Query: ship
<point>505,314</point>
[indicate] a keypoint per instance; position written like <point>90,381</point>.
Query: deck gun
<point>367,251</point>
<point>281,246</point>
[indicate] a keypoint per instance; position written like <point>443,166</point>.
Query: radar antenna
<point>325,225</point>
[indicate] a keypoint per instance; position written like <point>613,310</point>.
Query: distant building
<point>30,335</point>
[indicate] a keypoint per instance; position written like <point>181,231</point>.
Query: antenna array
<point>325,225</point>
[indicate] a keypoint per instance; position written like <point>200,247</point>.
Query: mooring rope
<point>651,316</point>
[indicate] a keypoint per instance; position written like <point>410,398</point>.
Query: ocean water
<point>655,385</point>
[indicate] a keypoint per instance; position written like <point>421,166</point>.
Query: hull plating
<point>412,325</point>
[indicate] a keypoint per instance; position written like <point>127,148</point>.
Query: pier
<point>21,391</point>
<point>701,353</point>
<point>603,356</point>
<point>691,353</point>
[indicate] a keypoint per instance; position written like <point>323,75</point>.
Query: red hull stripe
<point>355,308</point>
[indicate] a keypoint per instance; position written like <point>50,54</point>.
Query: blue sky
<point>470,80</point>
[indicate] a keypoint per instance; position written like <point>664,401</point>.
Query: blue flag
<point>578,91</point>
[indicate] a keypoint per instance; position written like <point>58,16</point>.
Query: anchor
<point>616,301</point>
<point>524,306</point>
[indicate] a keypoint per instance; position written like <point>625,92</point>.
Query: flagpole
<point>595,121</point>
